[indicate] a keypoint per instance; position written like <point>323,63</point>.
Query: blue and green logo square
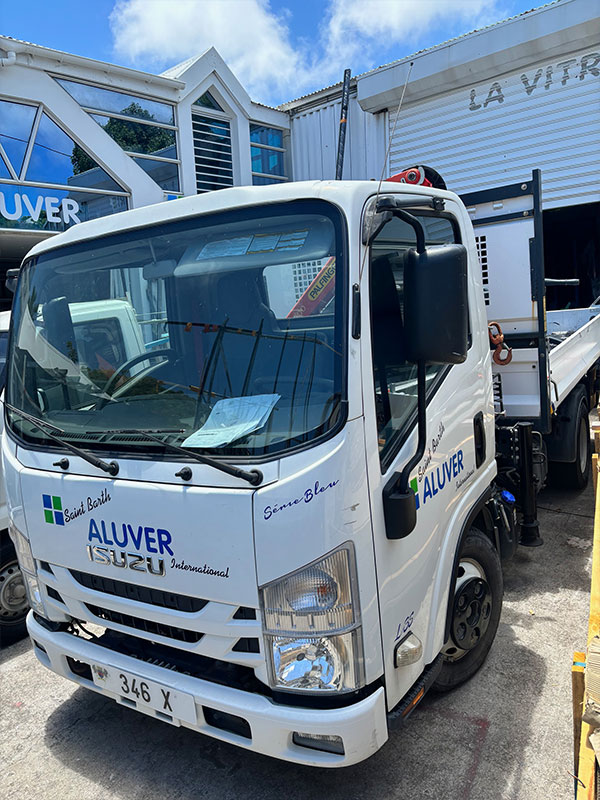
<point>415,487</point>
<point>53,510</point>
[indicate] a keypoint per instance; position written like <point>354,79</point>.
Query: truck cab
<point>277,522</point>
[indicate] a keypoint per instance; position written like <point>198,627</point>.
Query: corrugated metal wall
<point>315,136</point>
<point>493,133</point>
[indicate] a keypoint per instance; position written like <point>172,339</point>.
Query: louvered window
<point>212,153</point>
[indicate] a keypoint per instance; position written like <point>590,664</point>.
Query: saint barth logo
<point>415,487</point>
<point>53,510</point>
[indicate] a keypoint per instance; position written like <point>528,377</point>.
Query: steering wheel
<point>111,385</point>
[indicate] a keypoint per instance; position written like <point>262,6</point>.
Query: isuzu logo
<point>124,535</point>
<point>123,560</point>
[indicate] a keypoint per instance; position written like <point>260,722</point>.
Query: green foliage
<point>128,135</point>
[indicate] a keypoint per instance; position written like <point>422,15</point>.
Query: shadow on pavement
<point>10,651</point>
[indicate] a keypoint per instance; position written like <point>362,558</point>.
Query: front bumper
<point>362,726</point>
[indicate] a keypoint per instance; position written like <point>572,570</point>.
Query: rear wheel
<point>476,608</point>
<point>13,599</point>
<point>576,474</point>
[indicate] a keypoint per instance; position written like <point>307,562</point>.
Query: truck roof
<point>342,193</point>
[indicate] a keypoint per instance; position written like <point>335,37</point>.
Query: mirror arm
<point>421,428</point>
<point>414,223</point>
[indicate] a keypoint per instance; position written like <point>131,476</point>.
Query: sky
<point>278,49</point>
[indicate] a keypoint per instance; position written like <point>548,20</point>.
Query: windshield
<point>222,333</point>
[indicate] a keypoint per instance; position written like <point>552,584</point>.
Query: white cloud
<point>355,24</point>
<point>252,39</point>
<point>256,43</point>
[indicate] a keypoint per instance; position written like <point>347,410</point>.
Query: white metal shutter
<point>544,117</point>
<point>315,139</point>
<point>212,153</point>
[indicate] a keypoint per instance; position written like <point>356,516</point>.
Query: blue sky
<point>278,50</point>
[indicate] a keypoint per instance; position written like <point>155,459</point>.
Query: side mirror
<point>435,305</point>
<point>12,275</point>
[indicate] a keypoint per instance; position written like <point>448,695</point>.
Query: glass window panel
<point>395,378</point>
<point>163,173</point>
<point>4,172</point>
<point>139,138</point>
<point>218,290</point>
<point>263,135</point>
<point>208,101</point>
<point>109,100</point>
<point>57,159</point>
<point>31,207</point>
<point>259,180</point>
<point>15,130</point>
<point>217,127</point>
<point>268,161</point>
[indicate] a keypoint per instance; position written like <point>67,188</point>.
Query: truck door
<point>508,233</point>
<point>413,573</point>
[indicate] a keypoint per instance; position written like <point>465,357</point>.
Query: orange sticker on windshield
<point>318,293</point>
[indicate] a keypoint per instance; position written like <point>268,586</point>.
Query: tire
<point>478,589</point>
<point>576,474</point>
<point>13,600</point>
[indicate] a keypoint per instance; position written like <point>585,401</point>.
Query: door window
<point>395,378</point>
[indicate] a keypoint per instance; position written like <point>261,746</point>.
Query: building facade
<point>81,138</point>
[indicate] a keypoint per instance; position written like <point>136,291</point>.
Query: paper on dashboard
<point>233,418</point>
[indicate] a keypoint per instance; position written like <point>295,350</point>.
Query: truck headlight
<point>311,623</point>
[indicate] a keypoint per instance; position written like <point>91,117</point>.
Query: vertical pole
<point>339,166</point>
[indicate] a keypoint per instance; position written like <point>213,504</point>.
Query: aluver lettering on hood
<point>154,540</point>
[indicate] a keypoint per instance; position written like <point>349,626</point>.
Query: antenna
<point>387,152</point>
<point>391,136</point>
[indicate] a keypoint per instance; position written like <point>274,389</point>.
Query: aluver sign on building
<point>81,139</point>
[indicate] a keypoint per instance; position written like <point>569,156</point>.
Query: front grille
<point>141,594</point>
<point>209,669</point>
<point>158,628</point>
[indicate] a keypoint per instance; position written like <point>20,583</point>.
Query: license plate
<point>146,693</point>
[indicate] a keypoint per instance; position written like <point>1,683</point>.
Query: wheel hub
<point>13,599</point>
<point>472,612</point>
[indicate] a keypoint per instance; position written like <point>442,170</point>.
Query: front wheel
<point>476,608</point>
<point>13,599</point>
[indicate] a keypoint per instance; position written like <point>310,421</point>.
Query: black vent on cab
<point>146,625</point>
<point>227,722</point>
<point>246,645</point>
<point>54,594</point>
<point>244,612</point>
<point>141,594</point>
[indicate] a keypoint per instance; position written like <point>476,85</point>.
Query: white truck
<point>285,523</point>
<point>111,327</point>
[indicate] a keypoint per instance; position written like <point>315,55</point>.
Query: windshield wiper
<point>46,427</point>
<point>253,476</point>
